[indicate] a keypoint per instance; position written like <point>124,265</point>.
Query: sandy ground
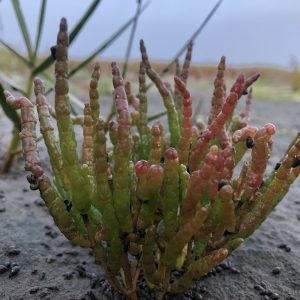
<point>37,262</point>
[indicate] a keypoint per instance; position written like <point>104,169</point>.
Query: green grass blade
<point>23,27</point>
<point>131,37</point>
<point>16,53</point>
<point>106,44</point>
<point>43,66</point>
<point>9,112</point>
<point>74,33</point>
<point>156,116</point>
<point>40,27</point>
<point>11,83</point>
<point>192,38</point>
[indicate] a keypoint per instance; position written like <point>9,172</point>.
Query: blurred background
<point>255,35</point>
<point>247,32</point>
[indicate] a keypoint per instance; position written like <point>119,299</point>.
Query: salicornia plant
<point>151,200</point>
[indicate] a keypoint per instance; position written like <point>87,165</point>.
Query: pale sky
<point>246,31</point>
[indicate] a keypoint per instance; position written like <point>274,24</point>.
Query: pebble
<point>14,271</point>
<point>91,295</point>
<point>2,209</point>
<point>39,202</point>
<point>71,252</point>
<point>3,269</point>
<point>266,293</point>
<point>53,234</point>
<point>275,296</point>
<point>81,271</point>
<point>50,260</point>
<point>276,271</point>
<point>198,297</point>
<point>224,266</point>
<point>34,271</point>
<point>42,276</point>
<point>234,271</point>
<point>218,269</point>
<point>34,290</point>
<point>67,276</point>
<point>45,245</point>
<point>12,251</point>
<point>285,247</point>
<point>53,288</point>
<point>263,284</point>
<point>44,294</point>
<point>258,288</point>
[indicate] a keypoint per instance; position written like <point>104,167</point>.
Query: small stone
<point>42,276</point>
<point>258,288</point>
<point>266,293</point>
<point>263,284</point>
<point>14,271</point>
<point>2,209</point>
<point>44,294</point>
<point>34,290</point>
<point>235,271</point>
<point>34,271</point>
<point>224,266</point>
<point>218,269</point>
<point>282,246</point>
<point>14,264</point>
<point>53,288</point>
<point>71,252</point>
<point>25,190</point>
<point>276,271</point>
<point>67,276</point>
<point>3,269</point>
<point>275,296</point>
<point>287,249</point>
<point>12,251</point>
<point>81,271</point>
<point>39,202</point>
<point>91,295</point>
<point>53,234</point>
<point>50,260</point>
<point>45,245</point>
<point>198,297</point>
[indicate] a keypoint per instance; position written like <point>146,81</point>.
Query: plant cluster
<point>145,199</point>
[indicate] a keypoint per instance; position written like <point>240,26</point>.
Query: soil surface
<point>37,262</point>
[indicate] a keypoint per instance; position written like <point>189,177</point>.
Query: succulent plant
<point>149,200</point>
